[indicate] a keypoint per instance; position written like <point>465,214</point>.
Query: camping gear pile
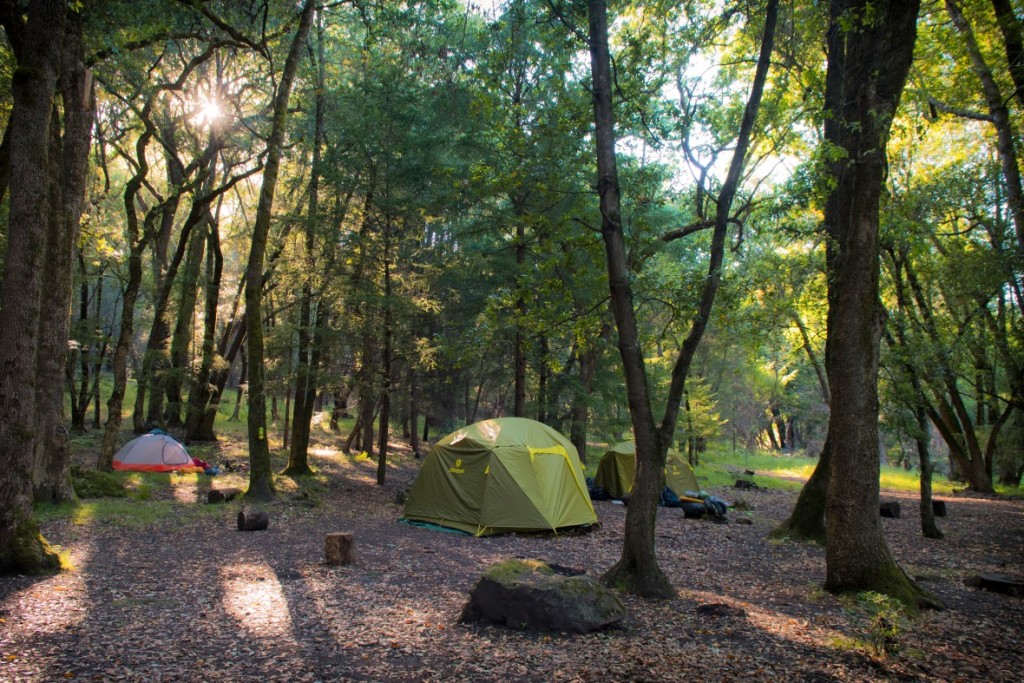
<point>614,480</point>
<point>500,476</point>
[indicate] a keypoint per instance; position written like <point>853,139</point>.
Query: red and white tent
<point>154,453</point>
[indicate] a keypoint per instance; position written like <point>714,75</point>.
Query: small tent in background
<point>155,452</point>
<point>615,472</point>
<point>502,475</point>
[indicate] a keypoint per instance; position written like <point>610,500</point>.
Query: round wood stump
<point>253,520</point>
<point>340,548</point>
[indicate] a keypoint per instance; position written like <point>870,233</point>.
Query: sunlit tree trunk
<point>261,484</point>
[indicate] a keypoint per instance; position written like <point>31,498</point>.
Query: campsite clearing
<point>188,597</point>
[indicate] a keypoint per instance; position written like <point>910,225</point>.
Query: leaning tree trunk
<point>261,483</point>
<point>873,58</point>
<point>807,520</point>
<point>22,547</point>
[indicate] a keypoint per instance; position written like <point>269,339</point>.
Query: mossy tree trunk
<point>807,520</point>
<point>69,157</point>
<point>36,45</point>
<point>261,484</point>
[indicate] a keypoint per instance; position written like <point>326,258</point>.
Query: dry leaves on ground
<point>191,598</point>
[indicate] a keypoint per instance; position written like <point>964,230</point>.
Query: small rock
<point>744,520</point>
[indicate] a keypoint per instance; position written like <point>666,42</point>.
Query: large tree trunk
<point>68,161</point>
<point>36,43</point>
<point>261,483</point>
<point>873,60</point>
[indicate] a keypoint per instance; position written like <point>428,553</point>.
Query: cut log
<point>998,583</point>
<point>890,509</point>
<point>223,495</point>
<point>939,508</point>
<point>340,548</point>
<point>253,520</point>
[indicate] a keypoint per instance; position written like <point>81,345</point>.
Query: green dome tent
<point>502,475</point>
<point>615,472</point>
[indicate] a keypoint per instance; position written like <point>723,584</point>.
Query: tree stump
<point>890,509</point>
<point>254,520</point>
<point>340,548</point>
<point>939,508</point>
<point>744,484</point>
<point>223,495</point>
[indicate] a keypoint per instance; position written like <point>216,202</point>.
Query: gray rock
<point>531,595</point>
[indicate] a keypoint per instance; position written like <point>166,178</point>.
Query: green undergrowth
<point>881,619</point>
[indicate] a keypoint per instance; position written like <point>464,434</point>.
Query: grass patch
<point>95,484</point>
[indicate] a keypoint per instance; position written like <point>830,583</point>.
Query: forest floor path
<point>188,597</point>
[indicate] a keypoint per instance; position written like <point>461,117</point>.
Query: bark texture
<point>261,484</point>
<point>869,54</point>
<point>22,548</point>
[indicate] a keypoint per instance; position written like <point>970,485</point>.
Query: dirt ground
<point>190,598</point>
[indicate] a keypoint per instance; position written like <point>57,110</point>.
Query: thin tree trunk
<point>638,570</point>
<point>310,332</point>
<point>201,391</point>
<point>1000,116</point>
<point>179,355</point>
<point>243,386</point>
<point>385,391</point>
<point>261,483</point>
<point>1009,25</point>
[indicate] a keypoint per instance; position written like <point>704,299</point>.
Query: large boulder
<point>532,595</point>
